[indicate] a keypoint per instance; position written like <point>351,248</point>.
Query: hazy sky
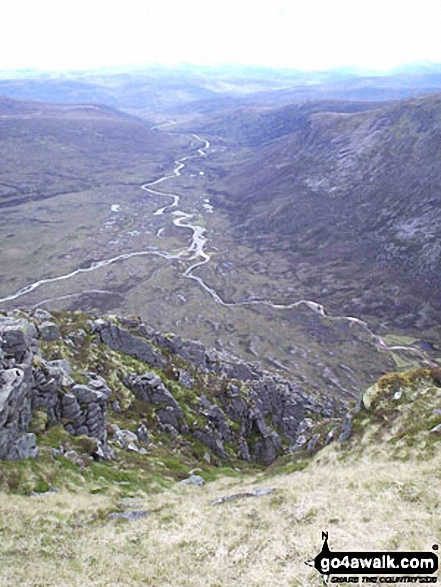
<point>304,34</point>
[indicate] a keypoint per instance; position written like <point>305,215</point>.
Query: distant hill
<point>53,148</point>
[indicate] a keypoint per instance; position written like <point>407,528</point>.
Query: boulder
<point>49,331</point>
<point>121,339</point>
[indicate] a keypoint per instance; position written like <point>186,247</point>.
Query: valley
<point>172,254</point>
<point>220,328</point>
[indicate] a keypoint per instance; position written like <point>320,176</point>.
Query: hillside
<point>352,194</point>
<point>53,149</point>
<point>254,126</point>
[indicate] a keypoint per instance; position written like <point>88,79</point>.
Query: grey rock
<point>346,429</point>
<point>121,339</point>
<point>17,337</point>
<point>49,331</point>
<point>116,406</point>
<point>185,379</point>
<point>130,516</point>
<point>42,315</point>
<point>15,416</point>
<point>193,480</point>
<point>212,440</point>
<point>150,389</point>
<point>131,446</point>
<point>312,444</point>
<point>25,448</point>
<point>174,417</point>
<point>125,438</point>
<point>301,440</point>
<point>218,419</point>
<point>268,448</point>
<point>85,394</point>
<point>255,493</point>
<point>143,434</point>
<point>330,436</point>
<point>244,452</point>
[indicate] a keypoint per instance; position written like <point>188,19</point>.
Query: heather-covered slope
<point>361,191</point>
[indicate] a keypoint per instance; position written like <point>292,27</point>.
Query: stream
<point>195,251</point>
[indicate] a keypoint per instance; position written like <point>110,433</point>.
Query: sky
<point>301,34</point>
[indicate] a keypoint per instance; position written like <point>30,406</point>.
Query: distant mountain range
<point>189,90</point>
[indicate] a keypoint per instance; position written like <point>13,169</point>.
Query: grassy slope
<point>371,504</point>
<point>379,492</point>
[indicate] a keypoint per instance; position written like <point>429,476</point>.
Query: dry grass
<point>67,539</point>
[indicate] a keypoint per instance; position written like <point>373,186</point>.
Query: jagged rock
<point>25,447</point>
<point>125,438</point>
<point>103,452</point>
<point>185,379</point>
<point>244,452</point>
<point>218,420</point>
<point>17,338</point>
<point>301,440</point>
<point>239,370</point>
<point>49,331</point>
<point>120,339</point>
<point>50,379</point>
<point>15,416</point>
<point>150,389</point>
<point>236,408</point>
<point>83,409</point>
<point>312,444</point>
<point>265,406</point>
<point>143,434</point>
<point>267,449</point>
<point>170,415</point>
<point>212,439</point>
<point>42,315</point>
<point>347,429</point>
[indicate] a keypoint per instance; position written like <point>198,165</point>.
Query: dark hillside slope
<point>362,190</point>
<point>257,125</point>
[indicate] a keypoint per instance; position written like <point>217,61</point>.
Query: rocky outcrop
<point>17,341</point>
<point>83,409</point>
<point>29,384</point>
<point>120,339</point>
<point>150,389</point>
<point>233,407</point>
